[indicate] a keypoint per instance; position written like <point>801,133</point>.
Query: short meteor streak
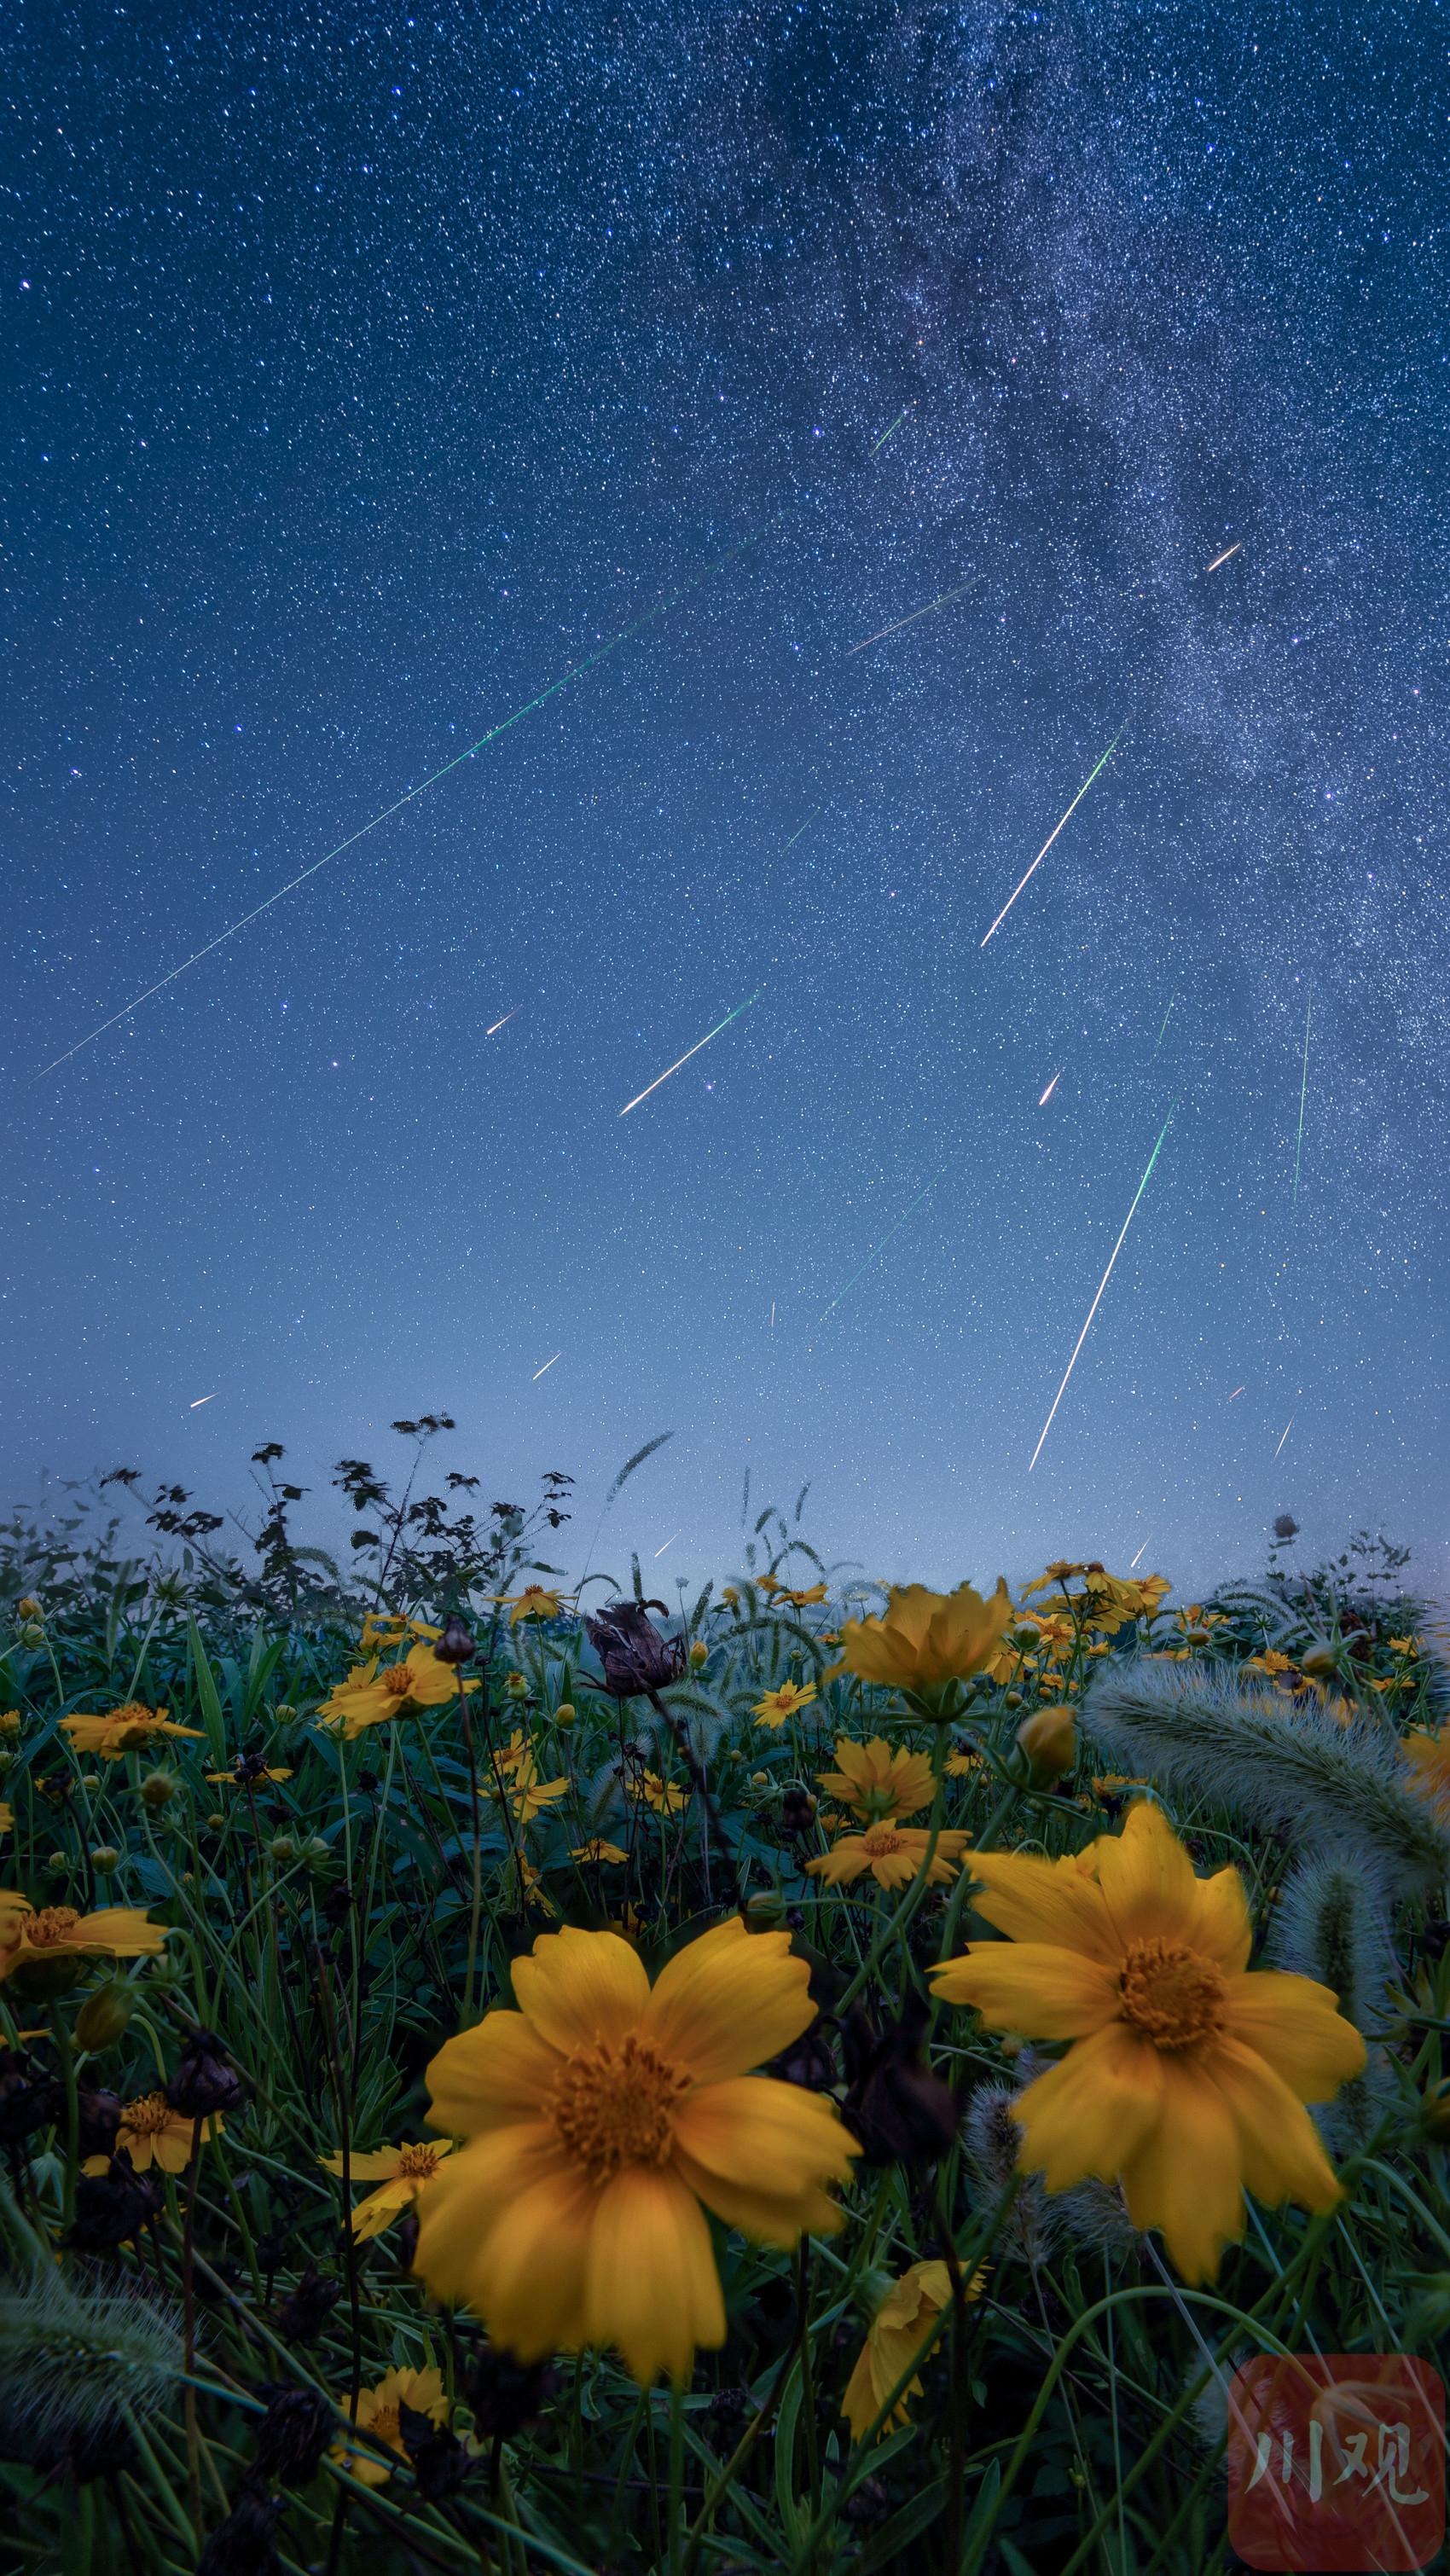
<point>1052,835</point>
<point>1167,1016</point>
<point>674,1534</point>
<point>889,433</point>
<point>1288,1427</point>
<point>410,794</point>
<point>1107,1274</point>
<point>1223,558</point>
<point>1143,1550</point>
<point>548,1364</point>
<point>1238,1390</point>
<point>881,1246</point>
<point>685,1058</point>
<point>1052,1086</point>
<point>805,827</point>
<point>947,595</point>
<point>503,1023</point>
<point>201,1400</point>
<point>1303,1087</point>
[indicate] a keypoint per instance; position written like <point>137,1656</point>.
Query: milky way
<point>366,376</point>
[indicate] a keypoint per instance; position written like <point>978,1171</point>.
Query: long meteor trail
<point>1107,1274</point>
<point>410,794</point>
<point>689,1051</point>
<point>1052,835</point>
<point>889,433</point>
<point>881,1246</point>
<point>947,595</point>
<point>1303,1087</point>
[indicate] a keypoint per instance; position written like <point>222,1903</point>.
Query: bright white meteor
<point>1223,558</point>
<point>1052,835</point>
<point>1097,1301</point>
<point>1052,1086</point>
<point>1288,1427</point>
<point>685,1058</point>
<point>503,1023</point>
<point>548,1364</point>
<point>203,1399</point>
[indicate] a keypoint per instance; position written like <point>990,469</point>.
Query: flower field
<point>499,2072</point>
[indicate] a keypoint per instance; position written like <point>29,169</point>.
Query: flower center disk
<point>148,2115</point>
<point>613,2107</point>
<point>52,1923</point>
<point>1171,1994</point>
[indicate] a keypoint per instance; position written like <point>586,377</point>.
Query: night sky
<point>364,374</point>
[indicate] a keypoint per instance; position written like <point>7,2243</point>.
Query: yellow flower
<point>1049,1739</point>
<point>730,1594</point>
<point>1404,1645</point>
<point>403,2172</point>
<point>534,1602</point>
<point>1270,1661</point>
<point>599,2117</point>
<point>1429,1759</point>
<point>391,1630</point>
<point>152,2133</point>
<point>10,1721</point>
<point>892,1853</point>
<point>516,1685</point>
<point>1188,2077</point>
<point>378,2412</point>
<point>235,1780</point>
<point>599,1850</point>
<point>798,1600</point>
<point>780,1704</point>
<point>59,1932</point>
<point>124,1730</point>
<point>927,1638</point>
<point>373,1693</point>
<point>898,2330</point>
<point>29,1608</point>
<point>964,1766</point>
<point>7,1817</point>
<point>699,1655</point>
<point>662,1795</point>
<point>528,1794</point>
<point>877,1783</point>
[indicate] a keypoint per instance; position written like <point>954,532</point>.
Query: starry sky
<point>367,374</point>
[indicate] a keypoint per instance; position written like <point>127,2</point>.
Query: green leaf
<point>913,2519</point>
<point>206,1692</point>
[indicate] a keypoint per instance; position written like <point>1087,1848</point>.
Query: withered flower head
<point>636,1658</point>
<point>112,2207</point>
<point>505,2396</point>
<point>305,2311</point>
<point>203,2081</point>
<point>455,1646</point>
<point>293,2435</point>
<point>436,2457</point>
<point>809,2061</point>
<point>245,2544</point>
<point>900,2111</point>
<point>29,2100</point>
<point>100,2118</point>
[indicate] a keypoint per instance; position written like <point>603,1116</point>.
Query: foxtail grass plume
<point>74,2362</point>
<point>1330,1923</point>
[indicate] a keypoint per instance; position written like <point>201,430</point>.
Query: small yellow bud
<point>517,1685</point>
<point>1435,2112</point>
<point>28,1607</point>
<point>216,1824</point>
<point>90,1779</point>
<point>104,2015</point>
<point>1014,1699</point>
<point>10,1721</point>
<point>765,1912</point>
<point>564,1713</point>
<point>58,1861</point>
<point>1049,1739</point>
<point>1320,1663</point>
<point>105,1858</point>
<point>159,1788</point>
<point>284,1850</point>
<point>699,1653</point>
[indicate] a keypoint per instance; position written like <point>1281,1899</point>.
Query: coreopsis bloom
<point>377,2413</point>
<point>1187,2077</point>
<point>1404,1645</point>
<point>244,1776</point>
<point>964,1766</point>
<point>373,1693</point>
<point>1429,1759</point>
<point>123,1730</point>
<point>152,2133</point>
<point>391,1629</point>
<point>599,2117</point>
<point>401,2173</point>
<point>730,1595</point>
<point>898,2330</point>
<point>28,1935</point>
<point>516,1685</point>
<point>529,1795</point>
<point>780,1704</point>
<point>924,1639</point>
<point>661,1795</point>
<point>877,1783</point>
<point>798,1600</point>
<point>892,1853</point>
<point>597,1849</point>
<point>10,1721</point>
<point>535,1601</point>
<point>1270,1661</point>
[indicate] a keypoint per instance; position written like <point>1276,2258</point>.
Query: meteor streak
<point>911,620</point>
<point>1288,1427</point>
<point>1238,1390</point>
<point>1303,1087</point>
<point>891,432</point>
<point>881,1246</point>
<point>410,794</point>
<point>1143,1550</point>
<point>1093,1308</point>
<point>674,1534</point>
<point>1052,1086</point>
<point>201,1400</point>
<point>685,1058</point>
<point>1167,1016</point>
<point>503,1023</point>
<point>548,1364</point>
<point>805,827</point>
<point>1223,558</point>
<point>1052,835</point>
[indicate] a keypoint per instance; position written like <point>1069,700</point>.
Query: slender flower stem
<point>188,2327</point>
<point>477,1899</point>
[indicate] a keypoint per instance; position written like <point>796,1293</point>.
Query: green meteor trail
<point>1167,1016</point>
<point>1107,1274</point>
<point>805,827</point>
<point>881,1246</point>
<point>689,1051</point>
<point>891,432</point>
<point>1303,1087</point>
<point>410,794</point>
<point>1052,835</point>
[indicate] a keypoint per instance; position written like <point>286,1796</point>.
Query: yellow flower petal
<point>1184,2178</point>
<point>1046,1900</point>
<point>491,2076</point>
<point>1091,2113</point>
<point>1294,2024</point>
<point>752,2125</point>
<point>1224,1931</point>
<point>652,2287</point>
<point>1147,1878</point>
<point>1281,2152</point>
<point>581,1986</point>
<point>1028,1986</point>
<point>728,2002</point>
<point>506,2227</point>
<point>757,2214</point>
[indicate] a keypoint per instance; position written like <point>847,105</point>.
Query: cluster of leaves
<point>321,1893</point>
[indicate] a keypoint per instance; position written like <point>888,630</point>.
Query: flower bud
<point>32,1633</point>
<point>1014,1699</point>
<point>216,1824</point>
<point>1435,2112</point>
<point>764,1912</point>
<point>1320,1662</point>
<point>9,1721</point>
<point>58,1862</point>
<point>105,1858</point>
<point>699,1653</point>
<point>159,1788</point>
<point>316,1852</point>
<point>104,2015</point>
<point>564,1713</point>
<point>28,1607</point>
<point>517,1685</point>
<point>1049,1740</point>
<point>455,1646</point>
<point>90,1780</point>
<point>203,2081</point>
<point>6,1758</point>
<point>284,1851</point>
